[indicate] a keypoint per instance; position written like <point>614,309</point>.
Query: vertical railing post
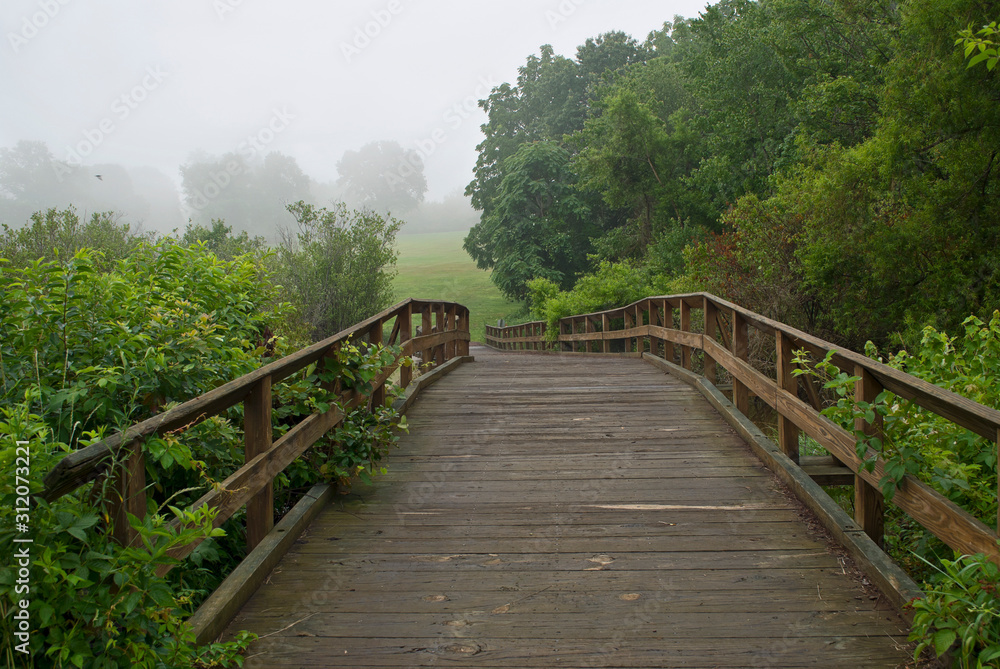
<point>451,348</point>
<point>668,322</point>
<point>605,329</point>
<point>686,327</point>
<point>741,350</point>
<point>644,314</point>
<point>257,440</point>
<point>628,322</point>
<point>590,329</point>
<point>711,327</point>
<point>128,493</point>
<point>441,323</point>
<point>788,433</point>
<point>656,341</point>
<point>426,327</point>
<point>405,320</point>
<point>375,339</point>
<point>463,326</point>
<point>639,343</point>
<point>869,503</point>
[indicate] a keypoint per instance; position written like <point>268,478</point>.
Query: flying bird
<point>99,177</point>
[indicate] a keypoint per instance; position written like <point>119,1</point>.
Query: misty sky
<point>146,83</point>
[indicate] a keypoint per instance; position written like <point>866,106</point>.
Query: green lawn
<point>434,266</point>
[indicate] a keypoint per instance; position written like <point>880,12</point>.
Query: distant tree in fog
<point>33,181</point>
<point>382,176</point>
<point>250,197</point>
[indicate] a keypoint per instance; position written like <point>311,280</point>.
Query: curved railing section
<point>677,327</point>
<point>437,331</point>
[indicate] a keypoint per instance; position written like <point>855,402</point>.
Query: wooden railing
<point>667,327</point>
<point>442,334</point>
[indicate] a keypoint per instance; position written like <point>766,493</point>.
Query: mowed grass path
<point>434,266</point>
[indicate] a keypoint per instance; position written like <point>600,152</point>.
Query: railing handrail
<point>953,525</point>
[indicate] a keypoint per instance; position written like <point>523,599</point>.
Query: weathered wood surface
<point>551,511</point>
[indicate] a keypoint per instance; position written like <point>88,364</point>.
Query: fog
<point>124,95</point>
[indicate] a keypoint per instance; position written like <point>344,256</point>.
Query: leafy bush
<point>93,604</point>
<point>58,234</point>
<point>612,285</point>
<point>962,601</point>
<point>107,349</point>
<point>961,606</point>
<point>338,267</point>
<point>958,463</point>
<point>753,263</point>
<point>355,447</point>
<point>84,353</point>
<point>220,240</point>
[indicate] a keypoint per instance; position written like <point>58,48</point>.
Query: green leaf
<point>978,58</point>
<point>989,654</point>
<point>943,640</point>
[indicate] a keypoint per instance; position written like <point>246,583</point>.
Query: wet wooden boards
<point>550,511</point>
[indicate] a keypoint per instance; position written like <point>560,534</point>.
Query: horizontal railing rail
<point>442,334</point>
<point>667,327</point>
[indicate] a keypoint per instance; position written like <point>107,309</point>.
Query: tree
<point>28,182</point>
<point>382,176</point>
<point>540,225</point>
<point>338,266</point>
<point>251,197</point>
<point>549,100</point>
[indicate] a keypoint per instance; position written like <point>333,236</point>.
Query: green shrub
<point>92,604</point>
<point>962,612</point>
<point>59,234</point>
<point>338,267</point>
<point>612,285</point>
<point>85,352</point>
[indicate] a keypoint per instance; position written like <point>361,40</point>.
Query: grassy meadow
<point>434,266</point>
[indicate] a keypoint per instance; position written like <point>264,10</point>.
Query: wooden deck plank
<point>553,511</point>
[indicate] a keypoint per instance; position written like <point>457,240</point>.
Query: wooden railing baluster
<point>869,503</point>
<point>686,352</point>
<point>404,323</point>
<point>788,432</point>
<point>378,392</point>
<point>668,322</point>
<point>257,440</point>
<point>128,492</point>
<point>426,328</point>
<point>711,316</point>
<point>741,350</point>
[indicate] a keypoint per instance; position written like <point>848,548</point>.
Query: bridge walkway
<point>562,511</point>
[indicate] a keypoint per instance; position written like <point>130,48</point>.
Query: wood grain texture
<point>568,511</point>
<point>257,439</point>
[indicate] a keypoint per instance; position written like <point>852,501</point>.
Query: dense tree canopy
<point>839,156</point>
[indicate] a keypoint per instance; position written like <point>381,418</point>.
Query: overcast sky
<point>147,82</point>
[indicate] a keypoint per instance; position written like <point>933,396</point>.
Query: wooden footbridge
<point>592,499</point>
